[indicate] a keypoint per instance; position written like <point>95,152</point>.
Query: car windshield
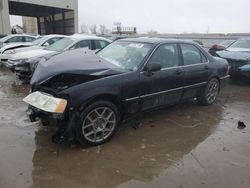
<point>124,54</point>
<point>242,43</point>
<point>226,42</point>
<point>61,45</point>
<point>5,38</point>
<point>38,41</point>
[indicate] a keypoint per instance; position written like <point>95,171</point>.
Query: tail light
<point>228,69</point>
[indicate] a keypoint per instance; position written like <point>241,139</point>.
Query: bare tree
<point>84,28</point>
<point>102,29</point>
<point>152,32</point>
<point>93,29</point>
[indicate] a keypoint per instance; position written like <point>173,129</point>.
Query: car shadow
<point>142,148</point>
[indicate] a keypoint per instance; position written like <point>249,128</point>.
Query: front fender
<point>82,95</point>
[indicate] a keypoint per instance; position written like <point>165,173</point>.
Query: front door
<point>164,86</point>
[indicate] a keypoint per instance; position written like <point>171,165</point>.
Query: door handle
<point>206,67</point>
<point>178,71</point>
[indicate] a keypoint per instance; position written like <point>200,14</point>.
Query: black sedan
<point>89,94</point>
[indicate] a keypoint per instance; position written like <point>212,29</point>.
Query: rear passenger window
<point>29,39</point>
<point>192,55</point>
<point>15,39</point>
<point>166,55</point>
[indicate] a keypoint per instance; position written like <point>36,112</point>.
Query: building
<point>124,30</point>
<point>57,16</point>
<point>30,24</point>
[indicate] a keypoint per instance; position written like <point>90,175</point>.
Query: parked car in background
<point>40,43</point>
<point>238,57</point>
<point>1,36</point>
<point>16,38</point>
<point>24,63</point>
<point>198,42</point>
<point>89,94</point>
<point>221,46</point>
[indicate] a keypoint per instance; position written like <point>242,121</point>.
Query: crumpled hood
<point>77,61</point>
<point>14,45</point>
<point>240,54</point>
<point>28,48</point>
<point>29,54</point>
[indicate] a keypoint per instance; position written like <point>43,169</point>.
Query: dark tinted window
<point>99,44</point>
<point>29,39</point>
<point>15,39</point>
<point>192,55</point>
<point>166,55</point>
<point>81,44</point>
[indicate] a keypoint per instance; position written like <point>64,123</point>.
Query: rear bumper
<point>224,81</point>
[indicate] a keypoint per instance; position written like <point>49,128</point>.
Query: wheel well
<point>108,97</point>
<point>216,77</point>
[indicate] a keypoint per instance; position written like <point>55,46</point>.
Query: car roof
<point>84,36</point>
<point>245,38</point>
<point>156,40</point>
<point>53,35</point>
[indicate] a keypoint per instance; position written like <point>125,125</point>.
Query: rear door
<point>195,67</point>
<point>165,86</point>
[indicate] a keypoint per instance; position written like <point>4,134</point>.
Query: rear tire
<point>210,93</point>
<point>98,123</point>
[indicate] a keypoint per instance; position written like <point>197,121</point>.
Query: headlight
<point>46,102</point>
<point>9,52</point>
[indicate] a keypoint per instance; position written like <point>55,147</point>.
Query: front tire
<point>98,123</point>
<point>210,93</point>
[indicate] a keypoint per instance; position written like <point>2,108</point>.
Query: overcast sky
<point>168,16</point>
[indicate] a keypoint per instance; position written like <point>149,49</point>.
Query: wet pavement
<point>184,146</point>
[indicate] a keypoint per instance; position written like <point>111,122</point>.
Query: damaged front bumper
<point>238,68</point>
<point>245,70</point>
<point>53,111</point>
<point>22,70</point>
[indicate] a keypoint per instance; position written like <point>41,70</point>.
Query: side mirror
<point>151,68</point>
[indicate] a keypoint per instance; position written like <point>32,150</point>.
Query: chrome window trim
<point>166,91</point>
<point>205,63</point>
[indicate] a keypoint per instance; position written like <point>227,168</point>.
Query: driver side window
<point>166,55</point>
